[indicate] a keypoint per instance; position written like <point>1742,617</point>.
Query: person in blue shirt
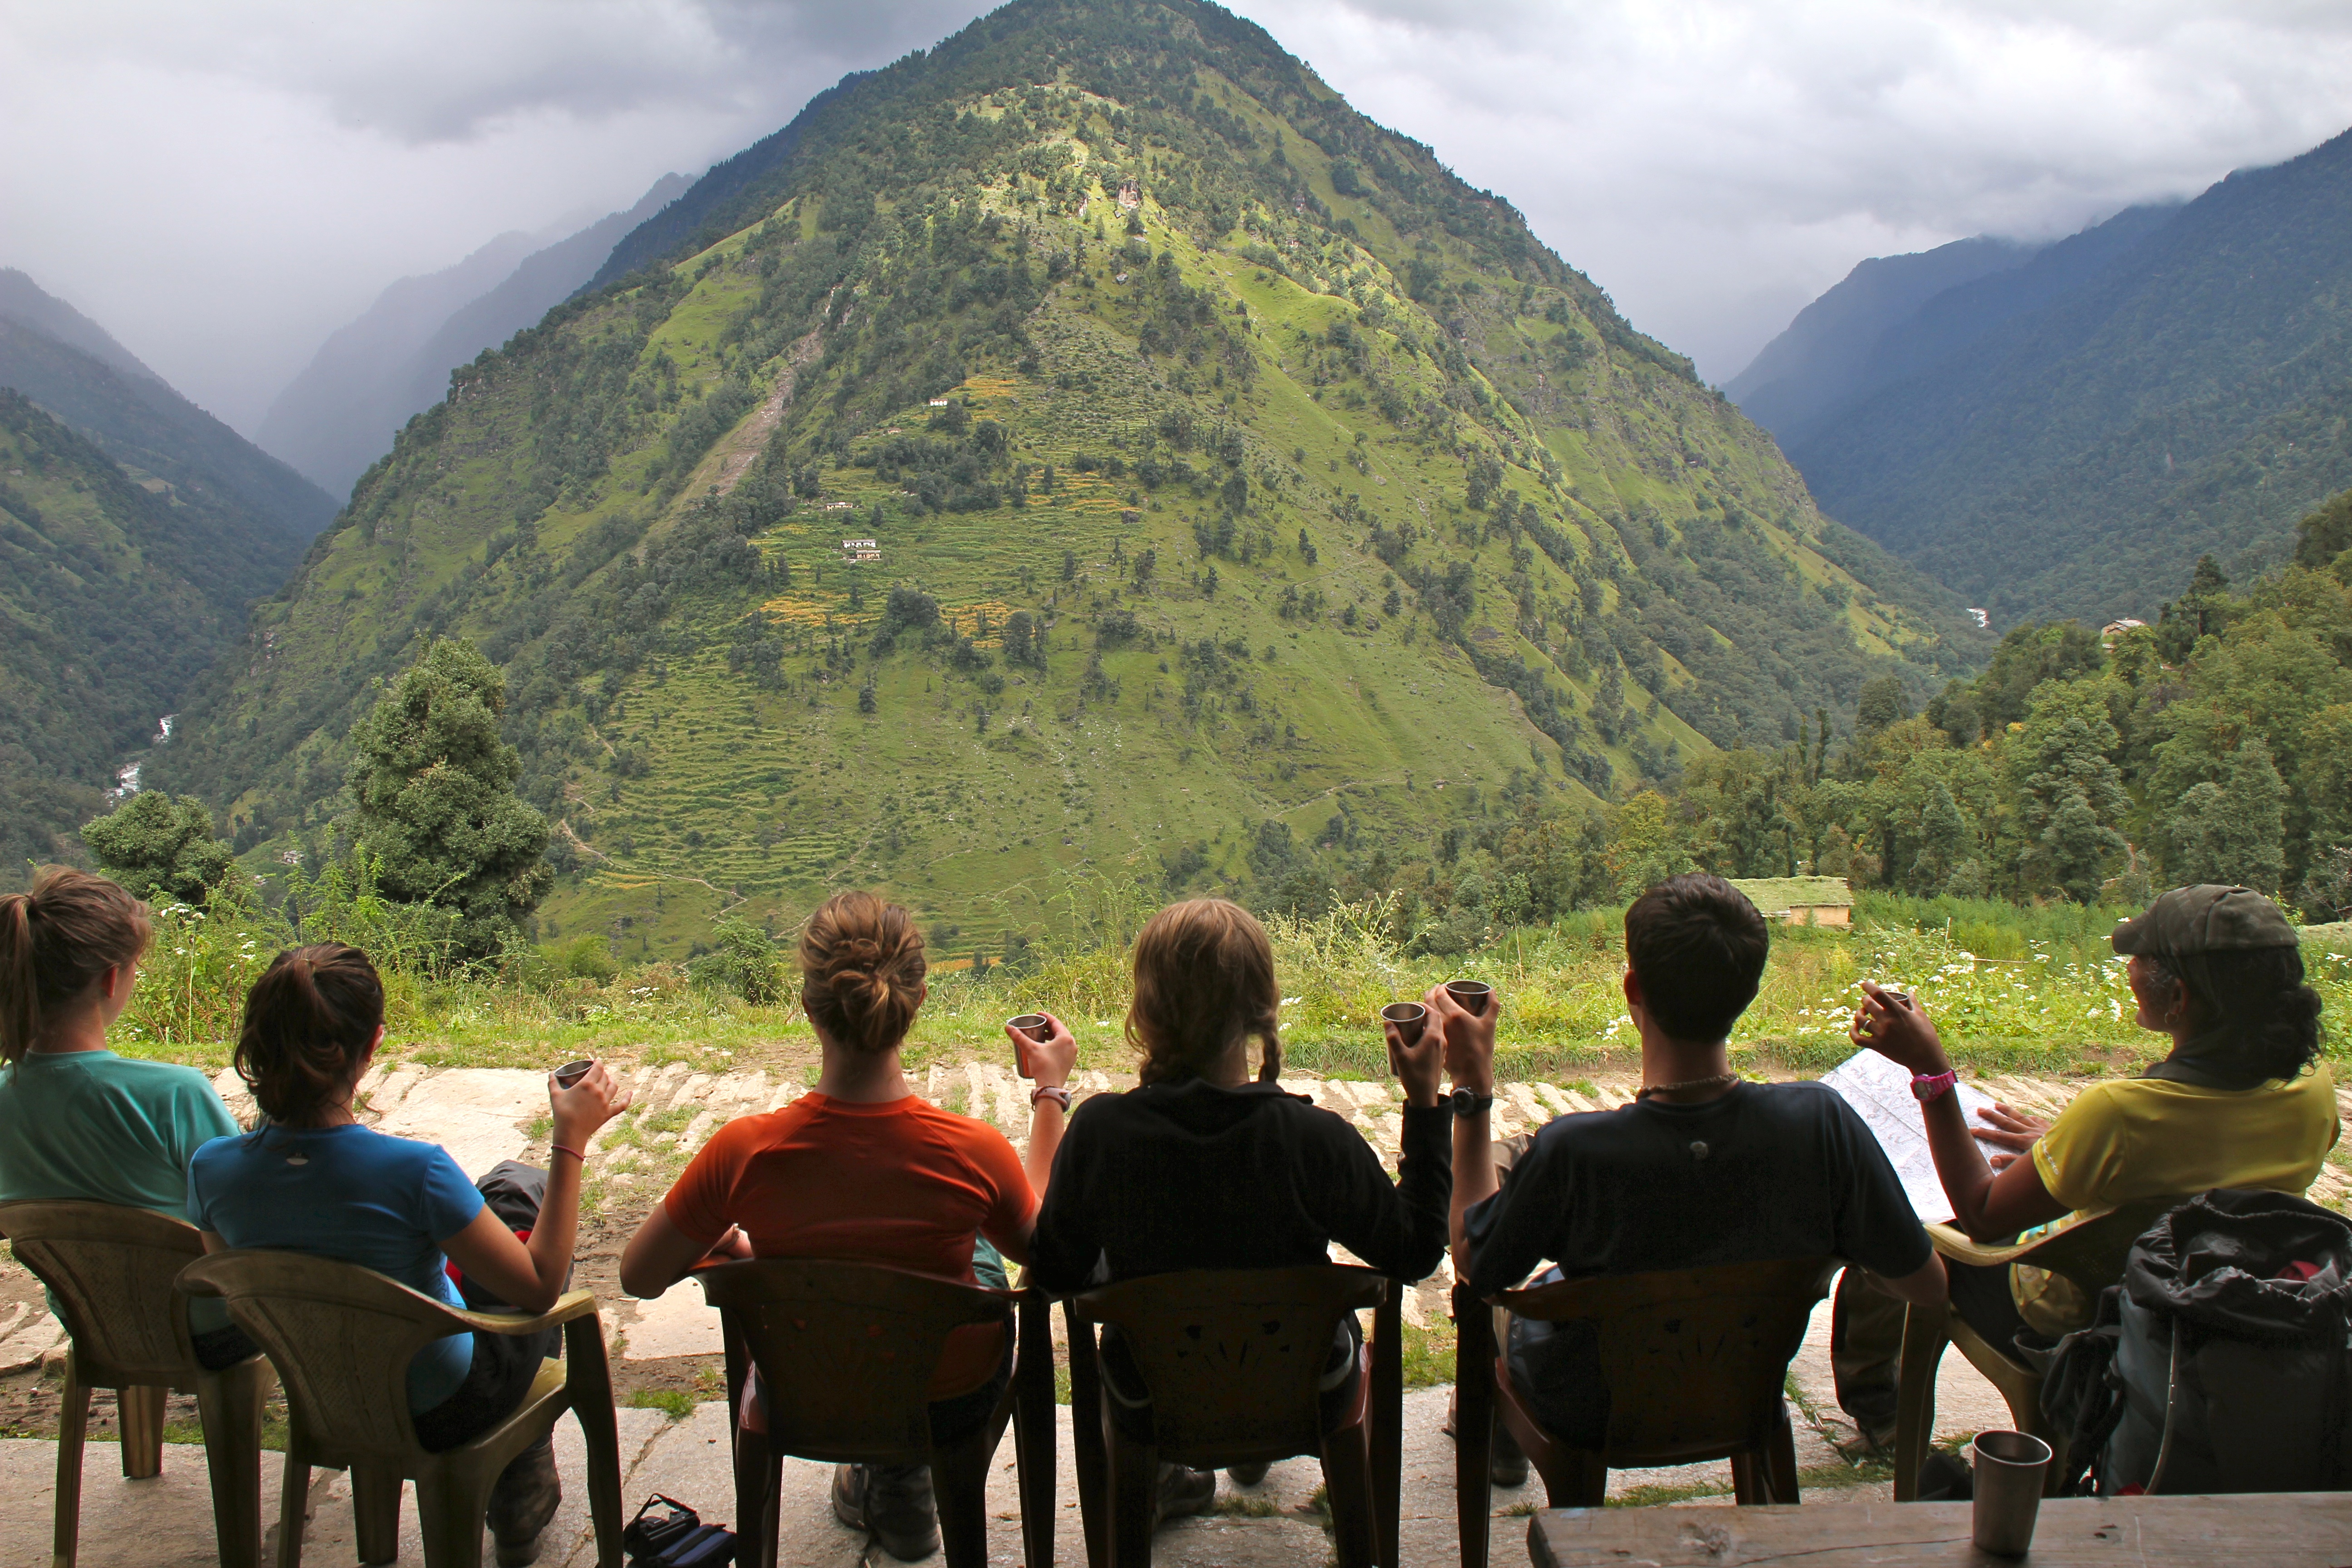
<point>312,1179</point>
<point>76,1121</point>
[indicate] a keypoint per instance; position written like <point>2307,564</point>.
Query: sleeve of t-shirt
<point>1012,1203</point>
<point>446,1198</point>
<point>2082,1150</point>
<point>699,1200</point>
<point>195,1205</point>
<point>1512,1231</point>
<point>199,1117</point>
<point>1876,1226</point>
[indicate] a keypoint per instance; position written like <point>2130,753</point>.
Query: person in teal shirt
<point>76,1120</point>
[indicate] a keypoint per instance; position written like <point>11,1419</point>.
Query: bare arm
<point>531,1276</point>
<point>660,1255</point>
<point>1985,1205</point>
<point>1923,1286</point>
<point>1469,1042</point>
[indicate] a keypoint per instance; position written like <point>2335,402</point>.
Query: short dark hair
<point>1697,946</point>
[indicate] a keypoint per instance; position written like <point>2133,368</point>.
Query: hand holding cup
<point>1469,1036</point>
<point>583,1098</point>
<point>1043,1049</point>
<point>1416,1053</point>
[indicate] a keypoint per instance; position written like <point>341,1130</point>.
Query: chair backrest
<point>114,1272</point>
<point>1695,1359</point>
<point>1230,1357</point>
<point>341,1336</point>
<point>846,1351</point>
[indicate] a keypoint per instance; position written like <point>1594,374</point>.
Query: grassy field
<point>2011,988</point>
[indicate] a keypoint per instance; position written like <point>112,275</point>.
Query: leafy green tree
<point>2229,832</point>
<point>434,787</point>
<point>743,959</point>
<point>160,846</point>
<point>1945,843</point>
<point>1880,704</point>
<point>2071,794</point>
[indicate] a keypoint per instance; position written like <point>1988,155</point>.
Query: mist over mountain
<point>2067,435</point>
<point>369,377</point>
<point>1087,445</point>
<point>74,368</point>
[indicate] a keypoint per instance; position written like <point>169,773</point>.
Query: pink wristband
<point>1932,1086</point>
<point>567,1149</point>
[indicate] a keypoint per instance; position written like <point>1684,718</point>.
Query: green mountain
<point>116,591</point>
<point>1241,487</point>
<point>72,367</point>
<point>2068,436</point>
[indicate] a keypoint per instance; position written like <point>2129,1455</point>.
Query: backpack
<point>677,1538</point>
<point>2227,1354</point>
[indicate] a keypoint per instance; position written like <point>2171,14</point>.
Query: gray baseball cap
<point>2208,918</point>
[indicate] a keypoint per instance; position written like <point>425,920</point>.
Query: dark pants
<point>504,1365</point>
<point>1866,1334</point>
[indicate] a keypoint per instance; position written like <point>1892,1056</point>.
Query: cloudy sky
<point>222,185</point>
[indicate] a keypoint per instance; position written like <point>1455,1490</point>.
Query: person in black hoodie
<point>1201,1167</point>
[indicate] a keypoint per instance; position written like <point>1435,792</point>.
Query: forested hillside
<point>1088,446</point>
<point>2069,437</point>
<point>114,595</point>
<point>2215,746</point>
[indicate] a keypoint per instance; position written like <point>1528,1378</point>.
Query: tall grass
<point>2010,987</point>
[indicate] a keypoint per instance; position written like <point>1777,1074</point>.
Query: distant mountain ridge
<point>2068,435</point>
<point>341,411</point>
<point>74,368</point>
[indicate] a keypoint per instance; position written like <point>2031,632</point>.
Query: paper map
<point>1881,1092</point>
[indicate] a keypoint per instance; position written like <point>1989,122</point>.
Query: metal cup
<point>1473,996</point>
<point>570,1073</point>
<point>1900,1000</point>
<point>1409,1017</point>
<point>1036,1026</point>
<point>2010,1468</point>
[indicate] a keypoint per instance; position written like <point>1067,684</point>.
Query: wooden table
<point>2273,1530</point>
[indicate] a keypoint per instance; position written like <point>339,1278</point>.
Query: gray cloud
<point>221,186</point>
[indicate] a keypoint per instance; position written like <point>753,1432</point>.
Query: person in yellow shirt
<point>2241,1101</point>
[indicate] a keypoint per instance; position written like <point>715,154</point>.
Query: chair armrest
<point>1956,1244</point>
<point>570,1305</point>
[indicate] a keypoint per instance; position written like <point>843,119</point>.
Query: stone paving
<point>483,1116</point>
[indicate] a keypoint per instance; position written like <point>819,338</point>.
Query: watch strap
<point>1927,1086</point>
<point>1054,1093</point>
<point>1467,1103</point>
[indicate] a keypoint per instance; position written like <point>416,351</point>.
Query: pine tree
<point>434,787</point>
<point>1944,843</point>
<point>2070,791</point>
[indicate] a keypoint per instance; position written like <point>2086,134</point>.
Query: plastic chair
<point>1695,1361</point>
<point>342,1337</point>
<point>113,1271</point>
<point>845,1353</point>
<point>2088,1249</point>
<point>1230,1360</point>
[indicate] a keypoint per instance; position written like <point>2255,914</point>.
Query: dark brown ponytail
<point>55,942</point>
<point>862,969</point>
<point>1203,979</point>
<point>309,1022</point>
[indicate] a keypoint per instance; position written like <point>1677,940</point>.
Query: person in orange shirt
<point>862,1169</point>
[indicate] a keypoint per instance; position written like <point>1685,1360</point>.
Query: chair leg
<point>1348,1482</point>
<point>375,1513</point>
<point>1087,1451</point>
<point>138,1413</point>
<point>73,1425</point>
<point>1474,1423</point>
<point>293,1504</point>
<point>1386,1417</point>
<point>1033,1431</point>
<point>450,1501</point>
<point>1134,1484</point>
<point>589,1380</point>
<point>1924,1339</point>
<point>960,1491</point>
<point>230,1403</point>
<point>1780,1459</point>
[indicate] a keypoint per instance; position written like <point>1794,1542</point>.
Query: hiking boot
<point>891,1502</point>
<point>1945,1478</point>
<point>522,1500</point>
<point>1183,1491</point>
<point>1247,1475</point>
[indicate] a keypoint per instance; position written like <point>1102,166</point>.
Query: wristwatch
<point>1054,1093</point>
<point>1467,1103</point>
<point>1927,1086</point>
